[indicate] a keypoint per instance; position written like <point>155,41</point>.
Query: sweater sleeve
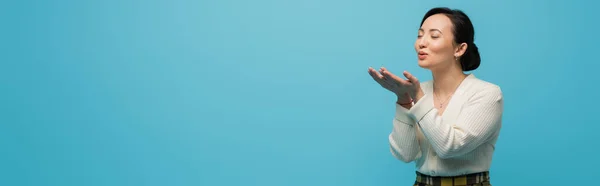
<point>403,140</point>
<point>478,120</point>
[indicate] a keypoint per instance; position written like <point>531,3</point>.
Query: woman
<point>448,126</point>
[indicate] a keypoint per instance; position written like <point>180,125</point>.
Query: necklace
<point>442,103</point>
<point>448,98</point>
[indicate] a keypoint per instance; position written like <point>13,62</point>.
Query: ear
<point>460,50</point>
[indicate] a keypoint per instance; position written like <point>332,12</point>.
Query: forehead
<point>437,21</point>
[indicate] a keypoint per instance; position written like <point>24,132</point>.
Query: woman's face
<point>435,43</point>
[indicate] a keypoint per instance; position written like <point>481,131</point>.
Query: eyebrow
<point>431,30</point>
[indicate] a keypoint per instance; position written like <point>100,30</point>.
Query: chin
<point>424,64</point>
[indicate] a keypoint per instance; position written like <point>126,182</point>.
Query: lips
<point>422,55</point>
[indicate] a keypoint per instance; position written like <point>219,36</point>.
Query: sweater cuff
<point>421,108</point>
<point>403,115</point>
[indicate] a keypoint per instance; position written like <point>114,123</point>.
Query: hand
<point>415,90</point>
<point>404,89</point>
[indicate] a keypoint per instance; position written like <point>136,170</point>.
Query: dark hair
<point>463,33</point>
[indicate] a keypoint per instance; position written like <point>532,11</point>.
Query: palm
<point>403,88</point>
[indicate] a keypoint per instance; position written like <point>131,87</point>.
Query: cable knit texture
<point>460,141</point>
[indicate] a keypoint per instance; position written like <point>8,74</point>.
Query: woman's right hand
<point>401,87</point>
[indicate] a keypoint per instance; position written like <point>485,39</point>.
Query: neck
<point>445,81</point>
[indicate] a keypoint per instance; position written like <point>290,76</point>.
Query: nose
<point>422,42</point>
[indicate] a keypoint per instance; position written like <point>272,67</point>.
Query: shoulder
<point>475,87</point>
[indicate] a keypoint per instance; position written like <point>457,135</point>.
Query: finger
<point>394,79</point>
<point>382,72</point>
<point>410,77</point>
<point>378,78</point>
<point>386,77</point>
<point>387,74</point>
<point>375,74</point>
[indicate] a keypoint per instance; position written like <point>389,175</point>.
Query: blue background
<point>272,92</point>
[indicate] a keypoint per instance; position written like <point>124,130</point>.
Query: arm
<point>403,140</point>
<point>478,120</point>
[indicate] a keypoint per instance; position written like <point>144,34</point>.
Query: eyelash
<point>435,37</point>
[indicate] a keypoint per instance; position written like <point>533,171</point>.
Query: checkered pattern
<point>476,179</point>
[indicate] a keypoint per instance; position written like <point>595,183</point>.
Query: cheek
<point>416,45</point>
<point>441,49</point>
<point>436,47</point>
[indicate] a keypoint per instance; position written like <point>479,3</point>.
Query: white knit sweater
<point>461,141</point>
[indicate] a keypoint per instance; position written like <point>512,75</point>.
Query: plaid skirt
<point>475,179</point>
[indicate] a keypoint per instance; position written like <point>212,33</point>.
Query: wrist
<point>410,102</point>
<point>404,98</point>
<point>419,95</point>
<point>406,103</point>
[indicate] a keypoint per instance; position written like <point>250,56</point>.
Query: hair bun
<point>471,59</point>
